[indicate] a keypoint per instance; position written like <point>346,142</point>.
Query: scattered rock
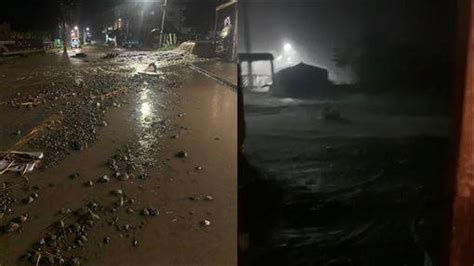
<point>182,154</point>
<point>23,218</point>
<point>153,211</point>
<point>117,192</point>
<point>205,223</point>
<point>12,227</point>
<point>124,177</point>
<point>28,200</point>
<point>104,179</point>
<point>199,168</point>
<point>74,175</point>
<point>106,240</point>
<point>209,198</point>
<point>135,243</point>
<point>145,212</point>
<point>89,183</point>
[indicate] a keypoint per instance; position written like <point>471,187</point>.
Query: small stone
<point>35,195</point>
<point>89,183</point>
<point>182,154</point>
<point>95,216</point>
<point>83,238</point>
<point>74,175</point>
<point>12,227</point>
<point>42,241</point>
<point>23,218</point>
<point>106,240</point>
<point>205,223</point>
<point>61,224</point>
<point>104,179</point>
<point>181,115</point>
<point>117,192</point>
<point>145,212</point>
<point>120,202</point>
<point>208,198</point>
<point>28,200</point>
<point>124,177</point>
<point>135,243</point>
<point>104,123</point>
<point>199,168</point>
<point>126,227</point>
<point>153,211</point>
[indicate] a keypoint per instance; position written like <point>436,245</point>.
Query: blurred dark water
<point>366,189</point>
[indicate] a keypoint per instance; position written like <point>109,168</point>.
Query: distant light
<point>87,29</point>
<point>76,27</point>
<point>287,47</point>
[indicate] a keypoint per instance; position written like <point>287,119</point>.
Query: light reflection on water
<point>147,115</point>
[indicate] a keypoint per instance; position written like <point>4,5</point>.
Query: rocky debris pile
<point>54,248</point>
<point>73,229</point>
<point>76,126</point>
<point>165,58</point>
<point>15,224</point>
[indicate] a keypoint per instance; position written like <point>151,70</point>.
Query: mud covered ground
<point>127,177</point>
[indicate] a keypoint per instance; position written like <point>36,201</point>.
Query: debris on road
<point>17,161</point>
<point>79,55</point>
<point>182,154</point>
<point>205,223</point>
<point>104,179</point>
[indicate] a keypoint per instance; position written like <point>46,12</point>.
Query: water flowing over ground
<point>136,168</point>
<point>365,187</point>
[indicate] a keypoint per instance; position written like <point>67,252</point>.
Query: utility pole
<point>163,23</point>
<point>63,35</point>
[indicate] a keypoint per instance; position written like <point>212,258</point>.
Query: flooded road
<point>366,188</point>
<point>94,118</point>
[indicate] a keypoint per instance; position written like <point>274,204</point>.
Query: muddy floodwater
<point>365,188</point>
<point>137,169</point>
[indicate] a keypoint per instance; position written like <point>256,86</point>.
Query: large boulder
<point>302,81</point>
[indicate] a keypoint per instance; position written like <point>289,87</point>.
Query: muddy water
<point>206,129</point>
<point>367,189</point>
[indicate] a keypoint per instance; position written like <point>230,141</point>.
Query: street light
<point>76,27</point>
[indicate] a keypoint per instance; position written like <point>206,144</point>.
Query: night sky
<point>25,15</point>
<point>317,27</point>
